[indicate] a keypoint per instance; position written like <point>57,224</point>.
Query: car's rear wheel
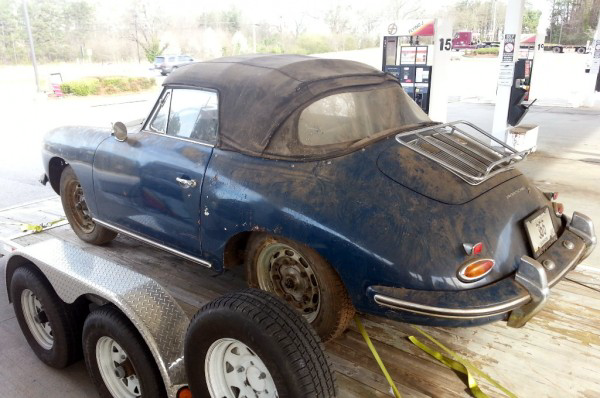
<point>77,211</point>
<point>302,278</point>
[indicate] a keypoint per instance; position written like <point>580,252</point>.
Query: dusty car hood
<point>427,178</point>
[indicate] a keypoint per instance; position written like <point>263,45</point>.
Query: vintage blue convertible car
<point>331,186</point>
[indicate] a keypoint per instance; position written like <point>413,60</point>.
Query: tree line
<point>88,30</point>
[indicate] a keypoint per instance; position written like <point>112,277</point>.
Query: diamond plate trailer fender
<point>73,273</point>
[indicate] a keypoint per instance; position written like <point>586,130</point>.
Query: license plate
<point>540,231</point>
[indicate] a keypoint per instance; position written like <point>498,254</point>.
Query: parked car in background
<point>168,63</point>
<point>331,187</point>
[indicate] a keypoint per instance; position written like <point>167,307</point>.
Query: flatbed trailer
<point>556,354</point>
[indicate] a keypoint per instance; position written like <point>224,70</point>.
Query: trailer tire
<point>279,346</point>
<point>77,212</point>
<point>580,50</point>
<point>57,341</point>
<point>109,337</point>
<point>556,49</point>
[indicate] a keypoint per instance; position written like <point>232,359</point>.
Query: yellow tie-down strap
<point>39,227</point>
<point>456,363</point>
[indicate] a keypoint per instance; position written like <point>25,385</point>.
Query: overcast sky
<point>276,12</point>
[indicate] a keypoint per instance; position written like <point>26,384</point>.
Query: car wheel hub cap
<point>233,369</point>
<point>37,319</point>
<point>116,369</point>
<point>286,272</point>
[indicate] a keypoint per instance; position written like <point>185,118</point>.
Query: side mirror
<point>120,131</point>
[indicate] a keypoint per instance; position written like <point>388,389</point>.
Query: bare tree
<point>299,24</point>
<point>337,19</point>
<point>404,9</point>
<point>145,27</point>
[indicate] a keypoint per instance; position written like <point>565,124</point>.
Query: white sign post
<point>508,55</point>
<point>538,51</point>
<point>442,48</point>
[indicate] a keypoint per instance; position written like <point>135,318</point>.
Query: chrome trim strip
<point>454,313</point>
<point>153,243</point>
<point>180,138</point>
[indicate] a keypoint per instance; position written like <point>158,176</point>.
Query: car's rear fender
<point>372,230</point>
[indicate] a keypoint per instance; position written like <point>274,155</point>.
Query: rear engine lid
<point>426,177</point>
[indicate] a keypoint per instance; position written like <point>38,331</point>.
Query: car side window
<point>159,123</point>
<point>194,114</point>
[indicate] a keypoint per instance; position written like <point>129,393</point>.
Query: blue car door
<point>150,184</point>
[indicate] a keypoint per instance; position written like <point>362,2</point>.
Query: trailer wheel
<point>581,50</point>
<point>117,358</point>
<point>300,276</point>
<point>50,326</point>
<point>77,212</point>
<point>556,49</point>
<point>252,344</point>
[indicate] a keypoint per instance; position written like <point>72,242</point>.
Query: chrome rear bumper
<point>522,296</point>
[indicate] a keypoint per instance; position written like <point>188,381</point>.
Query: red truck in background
<point>464,41</point>
<point>470,41</point>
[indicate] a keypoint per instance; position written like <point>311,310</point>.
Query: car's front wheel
<point>302,278</point>
<point>77,212</point>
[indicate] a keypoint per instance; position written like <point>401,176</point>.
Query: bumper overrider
<point>520,296</point>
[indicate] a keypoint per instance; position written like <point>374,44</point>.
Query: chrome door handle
<point>185,183</point>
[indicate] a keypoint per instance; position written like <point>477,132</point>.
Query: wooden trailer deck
<point>557,354</point>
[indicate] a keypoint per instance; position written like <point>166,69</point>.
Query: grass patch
<point>107,85</point>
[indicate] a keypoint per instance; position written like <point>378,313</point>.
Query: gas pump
<point>406,58</point>
<point>519,91</point>
<point>409,51</point>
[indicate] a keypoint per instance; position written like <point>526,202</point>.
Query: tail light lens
<point>559,208</point>
<point>475,270</point>
<point>471,248</point>
<point>184,393</point>
<point>551,195</point>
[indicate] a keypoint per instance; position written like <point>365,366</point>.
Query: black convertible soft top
<point>258,92</point>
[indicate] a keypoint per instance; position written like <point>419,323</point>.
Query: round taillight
<point>559,208</point>
<point>475,270</point>
<point>184,393</point>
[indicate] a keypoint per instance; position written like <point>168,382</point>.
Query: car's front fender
<point>76,146</point>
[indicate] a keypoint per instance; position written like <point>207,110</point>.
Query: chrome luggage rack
<point>461,152</point>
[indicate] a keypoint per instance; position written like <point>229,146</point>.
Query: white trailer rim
<point>36,319</point>
<point>116,370</point>
<point>232,369</point>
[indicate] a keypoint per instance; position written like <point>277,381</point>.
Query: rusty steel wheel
<point>77,211</point>
<point>302,278</point>
<point>284,271</point>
